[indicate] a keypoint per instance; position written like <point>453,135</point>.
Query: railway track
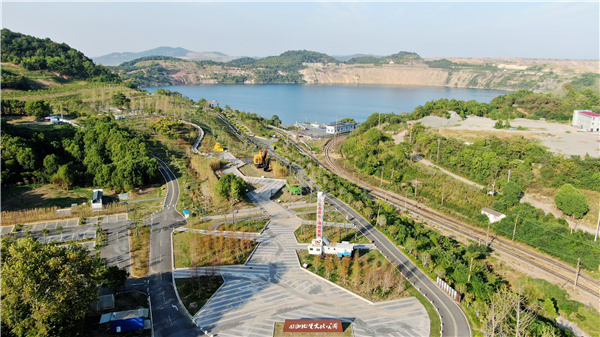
<point>558,269</point>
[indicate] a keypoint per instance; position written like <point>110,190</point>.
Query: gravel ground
<point>559,138</point>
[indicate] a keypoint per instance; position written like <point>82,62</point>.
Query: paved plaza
<point>272,287</point>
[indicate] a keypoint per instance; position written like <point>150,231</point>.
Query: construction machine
<point>261,160</point>
<point>294,188</point>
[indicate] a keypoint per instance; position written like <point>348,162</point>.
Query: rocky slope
<point>504,74</point>
<point>507,74</point>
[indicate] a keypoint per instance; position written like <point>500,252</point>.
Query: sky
<point>563,30</point>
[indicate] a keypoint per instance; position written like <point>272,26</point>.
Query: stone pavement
<point>272,287</point>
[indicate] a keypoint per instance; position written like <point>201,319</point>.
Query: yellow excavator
<point>218,147</point>
<point>261,160</point>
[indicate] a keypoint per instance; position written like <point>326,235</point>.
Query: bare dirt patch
<point>544,199</point>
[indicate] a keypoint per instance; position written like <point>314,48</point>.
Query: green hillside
<point>56,59</point>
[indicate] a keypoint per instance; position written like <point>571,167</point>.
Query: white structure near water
<point>341,127</point>
<point>586,120</point>
<point>320,245</point>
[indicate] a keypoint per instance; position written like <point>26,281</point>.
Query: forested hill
<point>35,54</point>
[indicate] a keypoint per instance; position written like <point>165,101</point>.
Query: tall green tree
<point>38,108</point>
<point>114,278</point>
<point>572,202</point>
<point>230,186</point>
<point>46,289</point>
<point>120,100</point>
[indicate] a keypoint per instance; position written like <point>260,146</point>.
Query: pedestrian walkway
<point>227,234</point>
<point>272,287</point>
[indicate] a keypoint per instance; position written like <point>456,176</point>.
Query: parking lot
<point>65,230</point>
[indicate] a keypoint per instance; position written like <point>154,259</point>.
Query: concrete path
<point>272,287</point>
<point>465,180</point>
<point>228,234</point>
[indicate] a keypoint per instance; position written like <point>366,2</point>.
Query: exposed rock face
<point>509,77</point>
<point>539,75</point>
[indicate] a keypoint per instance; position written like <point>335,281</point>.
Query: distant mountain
<point>114,59</point>
<point>345,58</point>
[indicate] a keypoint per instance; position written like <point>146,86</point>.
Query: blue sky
<point>431,29</point>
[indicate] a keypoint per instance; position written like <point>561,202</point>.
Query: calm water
<point>323,103</point>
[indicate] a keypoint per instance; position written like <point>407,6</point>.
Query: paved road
<point>454,321</point>
<point>168,316</point>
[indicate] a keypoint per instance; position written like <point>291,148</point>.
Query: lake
<point>324,103</point>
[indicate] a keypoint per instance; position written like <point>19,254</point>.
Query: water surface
<point>324,103</point>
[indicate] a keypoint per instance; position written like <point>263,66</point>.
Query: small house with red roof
<point>586,120</point>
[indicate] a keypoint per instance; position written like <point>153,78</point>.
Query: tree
<point>46,289</point>
<point>275,120</point>
<point>511,194</point>
<point>51,163</point>
<point>572,202</point>
<point>230,183</point>
<point>65,176</point>
<point>120,100</point>
<point>381,220</point>
<point>114,278</point>
<point>38,108</point>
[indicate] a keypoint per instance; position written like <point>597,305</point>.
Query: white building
<point>586,120</point>
<point>494,216</point>
<point>341,127</point>
<point>340,249</point>
<point>97,199</point>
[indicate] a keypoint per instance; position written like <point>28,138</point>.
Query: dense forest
<point>99,154</point>
<point>34,53</point>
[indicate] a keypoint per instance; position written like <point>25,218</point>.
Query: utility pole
<point>515,229</point>
<point>577,272</point>
<point>470,269</point>
<point>508,176</point>
<point>597,227</point>
<point>438,151</point>
<point>381,181</point>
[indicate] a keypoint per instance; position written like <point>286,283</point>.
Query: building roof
<point>120,315</point>
<point>341,123</point>
<point>343,245</point>
<point>491,212</point>
<point>589,113</point>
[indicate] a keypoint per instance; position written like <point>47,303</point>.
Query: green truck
<point>294,189</point>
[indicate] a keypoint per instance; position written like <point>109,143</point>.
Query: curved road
<point>169,317</point>
<point>454,321</point>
